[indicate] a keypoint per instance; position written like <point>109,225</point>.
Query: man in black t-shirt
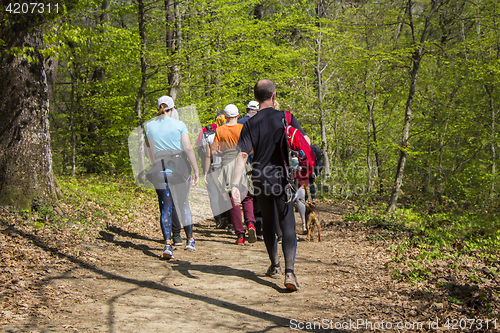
<point>263,133</point>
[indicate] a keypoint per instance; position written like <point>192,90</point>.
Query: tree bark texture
<point>174,42</point>
<point>320,88</point>
<point>416,59</point>
<point>141,94</point>
<point>258,11</point>
<point>72,125</point>
<point>398,181</point>
<point>492,144</point>
<point>375,144</point>
<point>25,152</point>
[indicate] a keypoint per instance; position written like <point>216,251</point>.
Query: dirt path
<point>118,284</point>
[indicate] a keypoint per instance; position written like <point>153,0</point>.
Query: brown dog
<point>312,219</point>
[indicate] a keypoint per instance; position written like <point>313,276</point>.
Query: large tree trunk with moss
<point>25,153</point>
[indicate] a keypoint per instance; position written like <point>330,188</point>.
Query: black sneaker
<point>231,230</point>
<point>177,240</point>
<point>291,282</point>
<point>221,223</point>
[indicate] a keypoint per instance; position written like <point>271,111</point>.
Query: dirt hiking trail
<point>116,282</point>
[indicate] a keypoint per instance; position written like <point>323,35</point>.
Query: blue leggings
<point>169,217</point>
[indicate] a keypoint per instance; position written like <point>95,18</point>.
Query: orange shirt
<point>226,137</point>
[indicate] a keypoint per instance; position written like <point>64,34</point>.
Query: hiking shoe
<point>274,272</point>
<point>177,240</point>
<point>252,233</point>
<point>168,252</point>
<point>280,239</point>
<point>291,282</point>
<point>190,245</point>
<point>304,229</point>
<point>260,238</point>
<point>221,224</point>
<point>240,240</point>
<point>230,229</point>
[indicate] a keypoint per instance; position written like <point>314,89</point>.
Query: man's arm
<point>191,157</point>
<point>208,161</point>
<point>150,153</point>
<point>239,167</point>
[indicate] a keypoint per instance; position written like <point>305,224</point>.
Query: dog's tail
<point>304,202</point>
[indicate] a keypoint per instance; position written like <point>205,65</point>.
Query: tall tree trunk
<point>105,14</point>
<point>142,89</point>
<point>406,132</point>
<point>440,180</point>
<point>72,126</point>
<point>324,144</point>
<point>95,117</point>
<point>258,11</point>
<point>25,153</point>
<point>370,106</point>
<point>416,58</point>
<point>320,12</point>
<point>174,42</point>
<point>492,144</point>
<point>368,135</point>
<point>493,162</point>
<point>375,143</point>
<point>51,66</point>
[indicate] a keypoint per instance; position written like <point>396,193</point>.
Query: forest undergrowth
<point>448,254</point>
<point>453,252</point>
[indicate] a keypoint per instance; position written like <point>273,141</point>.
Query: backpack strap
<point>290,187</point>
<point>293,135</point>
<point>288,117</point>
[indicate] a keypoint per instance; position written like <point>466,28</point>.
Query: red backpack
<point>299,160</point>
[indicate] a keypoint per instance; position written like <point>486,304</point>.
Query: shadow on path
<point>125,233</point>
<point>277,320</point>
<point>108,237</point>
<point>184,267</point>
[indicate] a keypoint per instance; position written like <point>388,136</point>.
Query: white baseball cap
<point>167,100</point>
<point>231,110</point>
<point>253,105</point>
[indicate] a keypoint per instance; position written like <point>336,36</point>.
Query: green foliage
<point>469,233</point>
<point>438,236</point>
<point>418,273</point>
<point>101,197</point>
<point>362,52</point>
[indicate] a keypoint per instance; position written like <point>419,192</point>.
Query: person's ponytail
<point>162,110</point>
